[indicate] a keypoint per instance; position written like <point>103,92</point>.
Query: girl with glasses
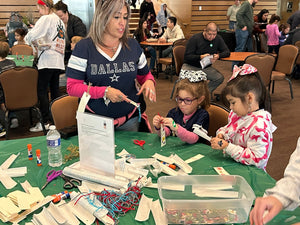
<point>247,137</point>
<point>192,97</point>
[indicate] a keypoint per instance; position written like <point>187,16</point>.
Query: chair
<point>20,90</point>
<point>264,63</point>
<point>178,53</point>
<point>285,64</point>
<point>169,61</point>
<point>63,110</point>
<point>21,50</point>
<point>298,57</point>
<point>218,117</point>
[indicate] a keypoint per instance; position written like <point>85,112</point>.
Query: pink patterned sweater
<point>250,137</point>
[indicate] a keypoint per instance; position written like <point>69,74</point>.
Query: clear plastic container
<point>205,199</point>
<point>53,146</point>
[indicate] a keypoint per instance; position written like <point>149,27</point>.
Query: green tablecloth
<point>26,60</point>
<point>36,176</point>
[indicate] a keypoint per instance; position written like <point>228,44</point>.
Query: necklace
<point>113,49</point>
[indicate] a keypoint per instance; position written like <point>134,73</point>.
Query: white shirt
<point>51,28</point>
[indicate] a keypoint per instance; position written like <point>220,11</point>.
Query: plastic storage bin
<point>205,199</point>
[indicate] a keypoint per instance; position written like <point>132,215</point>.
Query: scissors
<point>51,175</point>
<point>140,143</point>
<point>70,182</point>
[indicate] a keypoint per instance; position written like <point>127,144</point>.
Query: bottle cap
<point>38,151</point>
<point>52,127</point>
<point>29,146</point>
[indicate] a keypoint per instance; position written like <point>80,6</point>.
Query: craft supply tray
<point>205,199</point>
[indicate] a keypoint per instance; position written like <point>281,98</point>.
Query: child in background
<point>19,36</point>
<point>74,41</point>
<point>284,29</point>
<point>247,137</point>
<point>3,36</point>
<point>273,34</point>
<point>5,64</point>
<point>192,97</point>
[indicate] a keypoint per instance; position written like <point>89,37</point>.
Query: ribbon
<point>40,2</point>
<point>242,70</point>
<point>192,75</point>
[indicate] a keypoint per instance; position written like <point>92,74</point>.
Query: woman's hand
<point>218,143</point>
<point>149,88</point>
<point>115,95</point>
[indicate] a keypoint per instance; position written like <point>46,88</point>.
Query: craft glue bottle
<point>38,157</point>
<point>29,149</point>
<point>53,145</point>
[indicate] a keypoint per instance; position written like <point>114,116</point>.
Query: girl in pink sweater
<point>273,34</point>
<point>247,137</point>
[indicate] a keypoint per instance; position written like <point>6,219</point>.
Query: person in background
<point>6,64</point>
<point>111,63</point>
<point>284,29</point>
<point>3,36</point>
<point>162,18</point>
<point>283,196</point>
<point>260,24</point>
<point>192,97</point>
<point>147,6</point>
<point>206,44</point>
<point>172,33</point>
<point>294,20</point>
<point>293,36</point>
<point>231,14</point>
<point>15,22</point>
<point>273,34</point>
<point>74,41</point>
<point>244,27</point>
<point>142,34</point>
<point>50,31</point>
<point>74,25</point>
<point>19,36</point>
<point>247,137</point>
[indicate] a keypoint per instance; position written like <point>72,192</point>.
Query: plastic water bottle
<point>53,145</point>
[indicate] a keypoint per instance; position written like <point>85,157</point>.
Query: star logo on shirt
<point>114,78</point>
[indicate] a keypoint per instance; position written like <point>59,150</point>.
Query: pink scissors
<point>51,175</point>
<point>140,143</point>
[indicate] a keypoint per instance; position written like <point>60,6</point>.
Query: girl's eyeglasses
<point>186,101</point>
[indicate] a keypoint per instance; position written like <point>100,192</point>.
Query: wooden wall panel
<point>25,7</point>
<point>215,10</point>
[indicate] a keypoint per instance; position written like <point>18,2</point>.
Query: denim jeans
<point>214,76</point>
<point>243,40</point>
<point>232,25</point>
<point>152,52</point>
<point>131,125</point>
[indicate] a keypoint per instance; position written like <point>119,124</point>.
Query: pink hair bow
<point>242,70</point>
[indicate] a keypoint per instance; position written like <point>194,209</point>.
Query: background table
<point>28,60</point>
<point>238,56</point>
<point>257,178</point>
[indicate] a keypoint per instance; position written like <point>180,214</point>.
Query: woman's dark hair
<point>260,14</point>
<point>240,86</point>
<point>61,6</point>
<point>274,17</point>
<point>139,32</point>
<point>22,32</point>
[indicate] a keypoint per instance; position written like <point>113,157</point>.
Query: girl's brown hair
<point>197,89</point>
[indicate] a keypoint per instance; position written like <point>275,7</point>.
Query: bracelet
<point>106,100</point>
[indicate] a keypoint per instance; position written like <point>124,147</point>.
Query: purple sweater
<point>273,34</point>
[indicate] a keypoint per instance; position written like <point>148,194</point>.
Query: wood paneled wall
<point>215,10</point>
<point>24,7</point>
